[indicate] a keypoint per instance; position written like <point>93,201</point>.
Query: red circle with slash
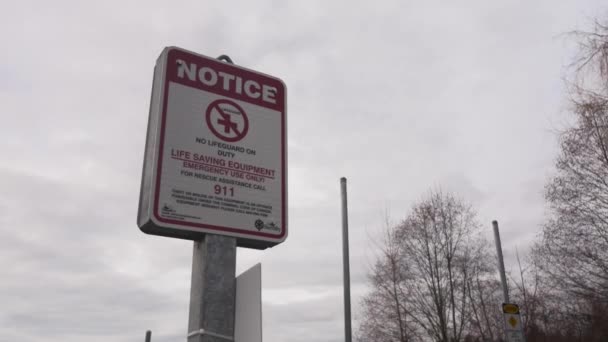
<point>227,120</point>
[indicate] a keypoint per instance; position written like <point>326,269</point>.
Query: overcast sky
<point>399,97</point>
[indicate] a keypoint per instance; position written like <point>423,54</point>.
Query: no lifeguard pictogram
<point>227,120</point>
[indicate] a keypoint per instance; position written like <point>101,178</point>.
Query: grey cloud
<point>398,98</point>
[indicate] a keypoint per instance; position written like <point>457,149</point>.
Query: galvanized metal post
<point>213,289</point>
<point>346,264</point>
<point>501,263</point>
<point>213,286</point>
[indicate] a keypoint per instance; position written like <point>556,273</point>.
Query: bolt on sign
<point>512,319</point>
<point>216,154</point>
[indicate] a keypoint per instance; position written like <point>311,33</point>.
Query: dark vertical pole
<point>346,264</point>
<point>148,336</point>
<point>501,263</point>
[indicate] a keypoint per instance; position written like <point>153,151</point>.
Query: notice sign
<point>215,160</point>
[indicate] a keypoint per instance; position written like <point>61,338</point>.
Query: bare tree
<point>485,294</point>
<point>537,303</point>
<point>572,254</point>
<point>574,246</point>
<point>440,242</point>
<point>385,312</point>
<point>433,280</point>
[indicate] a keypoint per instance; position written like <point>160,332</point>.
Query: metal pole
<point>213,286</point>
<point>213,289</point>
<point>148,336</point>
<point>501,263</point>
<point>346,267</point>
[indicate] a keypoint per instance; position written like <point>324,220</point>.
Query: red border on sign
<point>171,76</point>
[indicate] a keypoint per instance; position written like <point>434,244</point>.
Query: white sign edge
<point>248,306</point>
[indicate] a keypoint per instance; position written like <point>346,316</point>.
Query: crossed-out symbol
<point>227,120</point>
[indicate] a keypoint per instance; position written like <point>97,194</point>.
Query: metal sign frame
<point>153,216</point>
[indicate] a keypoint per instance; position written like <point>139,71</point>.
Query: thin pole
<point>213,290</point>
<point>148,336</point>
<point>346,266</point>
<point>213,286</point>
<point>501,263</point>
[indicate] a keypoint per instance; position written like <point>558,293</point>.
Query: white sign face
<point>218,160</point>
<point>512,322</point>
<point>515,336</point>
<point>513,328</point>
